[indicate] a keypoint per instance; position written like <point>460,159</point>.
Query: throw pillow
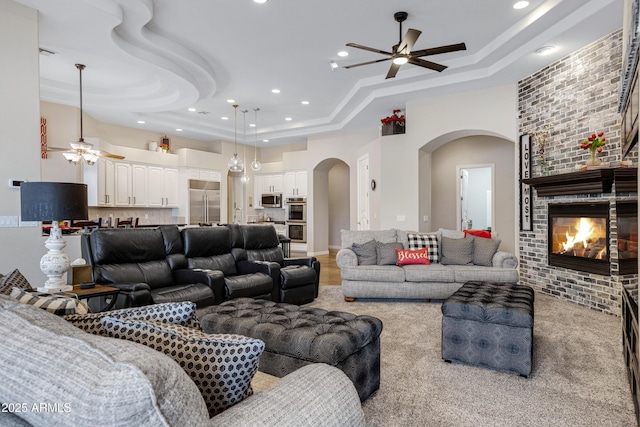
<point>179,313</point>
<point>56,304</point>
<point>429,241</point>
<point>220,365</point>
<point>484,250</point>
<point>386,253</point>
<point>406,257</point>
<point>15,279</point>
<point>366,252</point>
<point>451,234</point>
<point>478,233</point>
<point>457,251</point>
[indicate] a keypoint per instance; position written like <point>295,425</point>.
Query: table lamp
<point>54,201</point>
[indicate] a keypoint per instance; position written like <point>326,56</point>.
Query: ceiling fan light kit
<point>402,52</point>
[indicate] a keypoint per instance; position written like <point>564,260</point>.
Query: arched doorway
<point>330,205</point>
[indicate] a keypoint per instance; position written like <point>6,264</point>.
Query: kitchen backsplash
<point>146,216</point>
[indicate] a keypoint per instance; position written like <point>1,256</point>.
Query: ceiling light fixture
<point>260,1</point>
<point>305,103</point>
<point>255,165</point>
<point>400,60</point>
<point>245,178</point>
<point>191,109</point>
<point>82,151</point>
<point>231,101</point>
<point>275,90</point>
<point>520,4</point>
<point>179,130</point>
<point>343,53</point>
<point>141,122</point>
<point>546,50</point>
<point>333,65</point>
<point>235,163</point>
<point>288,119</point>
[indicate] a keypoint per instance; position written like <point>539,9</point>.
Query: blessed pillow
<point>366,252</point>
<point>478,233</point>
<point>407,257</point>
<point>179,313</point>
<point>422,240</point>
<point>56,304</point>
<point>220,365</point>
<point>386,253</point>
<point>15,279</point>
<point>457,251</point>
<point>484,250</point>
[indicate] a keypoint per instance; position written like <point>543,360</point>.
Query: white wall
<point>23,247</point>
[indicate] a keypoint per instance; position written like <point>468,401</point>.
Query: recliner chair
<point>299,277</point>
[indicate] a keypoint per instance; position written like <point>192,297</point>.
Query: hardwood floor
<point>329,271</point>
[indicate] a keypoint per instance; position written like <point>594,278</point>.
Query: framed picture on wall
<point>526,199</point>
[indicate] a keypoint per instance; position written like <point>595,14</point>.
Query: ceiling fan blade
<point>58,150</point>
<point>427,64</point>
<point>367,63</point>
<point>393,70</point>
<point>370,49</point>
<point>105,154</point>
<point>439,50</point>
<point>408,41</point>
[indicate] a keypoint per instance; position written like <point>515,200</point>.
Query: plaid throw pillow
<point>56,304</point>
<point>15,279</point>
<point>422,241</point>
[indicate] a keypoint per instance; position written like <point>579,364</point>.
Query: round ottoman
<point>296,336</point>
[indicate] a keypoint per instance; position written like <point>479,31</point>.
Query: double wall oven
<point>297,219</point>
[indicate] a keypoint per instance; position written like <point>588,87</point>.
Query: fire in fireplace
<point>579,237</point>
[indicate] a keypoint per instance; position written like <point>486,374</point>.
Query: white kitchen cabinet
<point>162,187</point>
<point>295,184</point>
<point>139,185</point>
<point>204,174</point>
<point>122,184</point>
<point>130,185</point>
<point>100,180</point>
<point>272,183</point>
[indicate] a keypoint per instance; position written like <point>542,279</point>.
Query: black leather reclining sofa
<point>206,265</point>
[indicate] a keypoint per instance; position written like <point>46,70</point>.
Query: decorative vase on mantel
<point>542,167</point>
<point>593,160</point>
<point>393,128</point>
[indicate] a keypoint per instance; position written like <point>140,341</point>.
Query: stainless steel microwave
<point>271,200</point>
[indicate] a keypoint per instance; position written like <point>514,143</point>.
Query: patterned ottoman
<point>296,336</point>
<point>491,325</point>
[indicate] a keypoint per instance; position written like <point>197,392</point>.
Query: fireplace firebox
<point>627,213</point>
<point>579,237</point>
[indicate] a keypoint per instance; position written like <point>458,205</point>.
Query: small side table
<point>285,242</point>
<point>109,293</point>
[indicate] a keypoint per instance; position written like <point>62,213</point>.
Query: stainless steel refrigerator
<point>204,202</point>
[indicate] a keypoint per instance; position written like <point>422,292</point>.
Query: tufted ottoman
<point>296,336</point>
<point>491,325</point>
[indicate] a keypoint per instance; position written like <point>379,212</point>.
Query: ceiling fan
<point>401,53</point>
<point>82,151</point>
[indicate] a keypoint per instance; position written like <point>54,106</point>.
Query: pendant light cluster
<point>236,164</point>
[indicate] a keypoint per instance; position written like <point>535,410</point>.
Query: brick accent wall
<point>573,98</point>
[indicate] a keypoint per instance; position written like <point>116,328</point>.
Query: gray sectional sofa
<point>434,281</point>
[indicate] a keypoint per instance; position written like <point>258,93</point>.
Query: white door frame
<point>459,192</point>
<point>363,202</point>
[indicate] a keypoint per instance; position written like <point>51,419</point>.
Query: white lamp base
<point>55,262</point>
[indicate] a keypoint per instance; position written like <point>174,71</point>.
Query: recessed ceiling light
<point>178,130</point>
<point>141,122</point>
<point>265,140</point>
<point>191,109</point>
<point>343,53</point>
<point>275,90</point>
<point>288,119</point>
<point>520,4</point>
<point>252,125</point>
<point>545,50</point>
<point>231,101</point>
<point>224,118</point>
<point>259,1</point>
<point>305,103</point>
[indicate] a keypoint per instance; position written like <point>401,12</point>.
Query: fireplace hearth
<point>579,237</point>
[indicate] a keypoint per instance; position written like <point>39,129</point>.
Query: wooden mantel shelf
<point>586,182</point>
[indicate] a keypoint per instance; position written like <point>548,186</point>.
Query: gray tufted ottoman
<point>296,336</point>
<point>491,325</point>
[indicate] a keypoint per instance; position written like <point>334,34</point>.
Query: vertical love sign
<point>526,198</point>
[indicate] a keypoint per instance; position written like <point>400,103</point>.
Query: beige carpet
<point>578,377</point>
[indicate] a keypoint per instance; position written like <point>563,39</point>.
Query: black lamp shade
<point>53,201</point>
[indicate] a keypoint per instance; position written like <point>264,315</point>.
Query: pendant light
<point>255,165</point>
<point>235,164</point>
<point>245,178</point>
